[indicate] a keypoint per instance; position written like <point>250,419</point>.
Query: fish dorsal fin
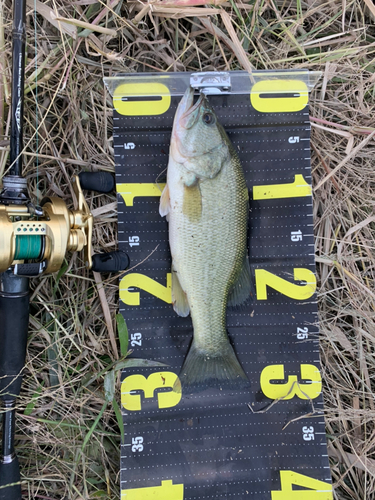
<point>179,299</point>
<point>164,206</point>
<point>243,288</point>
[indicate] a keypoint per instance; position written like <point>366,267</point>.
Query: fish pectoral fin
<point>192,202</point>
<point>164,206</point>
<point>179,298</point>
<point>243,288</point>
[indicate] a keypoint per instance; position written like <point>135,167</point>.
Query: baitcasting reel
<point>34,239</point>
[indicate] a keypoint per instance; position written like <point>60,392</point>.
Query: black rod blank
<point>18,83</point>
<point>14,291</point>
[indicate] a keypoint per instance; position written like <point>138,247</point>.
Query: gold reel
<point>45,238</point>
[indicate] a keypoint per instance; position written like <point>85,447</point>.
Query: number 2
<point>264,278</point>
<point>132,298</point>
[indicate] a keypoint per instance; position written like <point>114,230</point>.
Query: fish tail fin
<point>202,370</point>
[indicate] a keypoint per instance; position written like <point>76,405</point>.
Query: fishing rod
<point>33,241</point>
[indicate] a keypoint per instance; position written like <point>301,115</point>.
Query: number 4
<point>315,489</point>
<point>167,491</point>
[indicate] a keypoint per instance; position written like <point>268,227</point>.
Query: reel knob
<point>110,262</point>
<point>101,182</point>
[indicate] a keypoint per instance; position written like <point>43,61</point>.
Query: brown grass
<point>67,434</point>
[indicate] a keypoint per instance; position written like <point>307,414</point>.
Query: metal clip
<point>211,82</point>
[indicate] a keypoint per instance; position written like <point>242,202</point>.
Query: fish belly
<point>208,249</point>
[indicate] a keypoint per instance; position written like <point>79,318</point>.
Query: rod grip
<point>10,474</point>
<point>14,320</point>
<point>111,262</point>
<point>101,182</point>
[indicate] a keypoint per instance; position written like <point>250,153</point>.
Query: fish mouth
<point>187,106</point>
<point>185,117</point>
<point>193,107</point>
<point>184,105</point>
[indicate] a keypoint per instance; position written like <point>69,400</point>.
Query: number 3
<point>149,385</point>
<point>292,387</point>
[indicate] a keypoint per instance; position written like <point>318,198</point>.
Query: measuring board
<point>267,442</point>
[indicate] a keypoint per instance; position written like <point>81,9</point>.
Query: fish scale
<point>208,254</point>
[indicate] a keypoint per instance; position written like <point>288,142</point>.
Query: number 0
<point>150,99</point>
<point>295,96</point>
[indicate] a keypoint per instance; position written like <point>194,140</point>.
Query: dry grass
<point>67,434</point>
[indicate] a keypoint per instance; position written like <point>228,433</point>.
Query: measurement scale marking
<point>140,219</point>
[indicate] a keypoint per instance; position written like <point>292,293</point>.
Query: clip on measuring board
<point>237,410</point>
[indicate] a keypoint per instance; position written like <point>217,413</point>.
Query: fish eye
<point>208,118</point>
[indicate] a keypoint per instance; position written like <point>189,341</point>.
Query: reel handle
<point>111,262</point>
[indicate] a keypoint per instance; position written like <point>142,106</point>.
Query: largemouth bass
<point>206,203</point>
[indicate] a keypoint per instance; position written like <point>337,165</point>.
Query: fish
<point>206,203</point>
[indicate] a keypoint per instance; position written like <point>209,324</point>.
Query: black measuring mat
<point>267,442</point>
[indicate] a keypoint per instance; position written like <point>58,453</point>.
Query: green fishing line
<point>28,247</point>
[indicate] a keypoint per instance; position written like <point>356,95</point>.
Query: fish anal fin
<point>164,206</point>
<point>242,290</point>
<point>192,202</point>
<point>179,298</point>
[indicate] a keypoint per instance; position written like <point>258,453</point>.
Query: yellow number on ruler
<point>296,96</point>
<point>132,190</point>
<point>141,99</point>
<point>131,298</point>
<point>292,387</point>
<point>296,189</point>
<point>264,278</point>
<point>317,490</point>
<point>167,491</point>
<point>158,380</point>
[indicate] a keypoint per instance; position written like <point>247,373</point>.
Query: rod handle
<point>111,262</point>
<point>14,319</point>
<point>10,474</point>
<point>101,182</point>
